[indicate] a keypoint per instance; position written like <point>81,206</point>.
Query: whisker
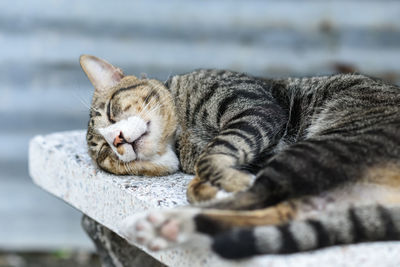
<point>169,76</point>
<point>82,100</point>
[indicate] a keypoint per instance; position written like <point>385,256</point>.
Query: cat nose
<point>119,140</point>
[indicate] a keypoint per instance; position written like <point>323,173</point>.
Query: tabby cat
<point>301,163</point>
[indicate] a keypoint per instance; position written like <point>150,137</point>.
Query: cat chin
<point>169,158</point>
<point>128,156</point>
<point>144,152</point>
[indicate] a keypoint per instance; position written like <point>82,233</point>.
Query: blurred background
<point>43,90</point>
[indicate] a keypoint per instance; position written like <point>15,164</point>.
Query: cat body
<point>305,162</point>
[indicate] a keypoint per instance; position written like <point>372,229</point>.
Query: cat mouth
<point>121,140</point>
<point>129,151</point>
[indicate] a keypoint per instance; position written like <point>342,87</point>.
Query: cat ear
<point>101,74</point>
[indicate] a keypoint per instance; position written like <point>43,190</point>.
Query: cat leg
<point>281,229</point>
<point>348,226</point>
<point>341,216</point>
<point>324,162</point>
<point>167,228</point>
<point>242,138</point>
<point>366,211</point>
<point>319,164</point>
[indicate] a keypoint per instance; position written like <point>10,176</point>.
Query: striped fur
<point>354,225</point>
<point>304,157</point>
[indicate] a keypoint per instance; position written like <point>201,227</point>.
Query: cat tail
<point>352,225</point>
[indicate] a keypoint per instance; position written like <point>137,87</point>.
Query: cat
<point>301,163</point>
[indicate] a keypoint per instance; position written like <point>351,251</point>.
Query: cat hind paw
<point>158,230</point>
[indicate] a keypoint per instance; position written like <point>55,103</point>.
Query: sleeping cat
<point>303,163</point>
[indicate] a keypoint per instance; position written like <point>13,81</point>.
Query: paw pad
<point>159,230</point>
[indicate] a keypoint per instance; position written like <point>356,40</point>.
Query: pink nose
<point>119,140</point>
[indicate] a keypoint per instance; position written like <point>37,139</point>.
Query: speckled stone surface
<point>59,164</point>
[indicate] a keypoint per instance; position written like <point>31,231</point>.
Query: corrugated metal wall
<point>42,88</point>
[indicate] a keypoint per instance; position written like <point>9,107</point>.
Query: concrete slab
<point>59,164</point>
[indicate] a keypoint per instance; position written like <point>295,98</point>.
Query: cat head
<point>135,117</point>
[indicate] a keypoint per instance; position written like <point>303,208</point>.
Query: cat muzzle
<point>120,140</point>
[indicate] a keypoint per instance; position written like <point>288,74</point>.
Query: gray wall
<point>42,88</point>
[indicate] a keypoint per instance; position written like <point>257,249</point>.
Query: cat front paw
<point>217,176</point>
<point>232,181</point>
<point>200,190</point>
<point>158,230</point>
